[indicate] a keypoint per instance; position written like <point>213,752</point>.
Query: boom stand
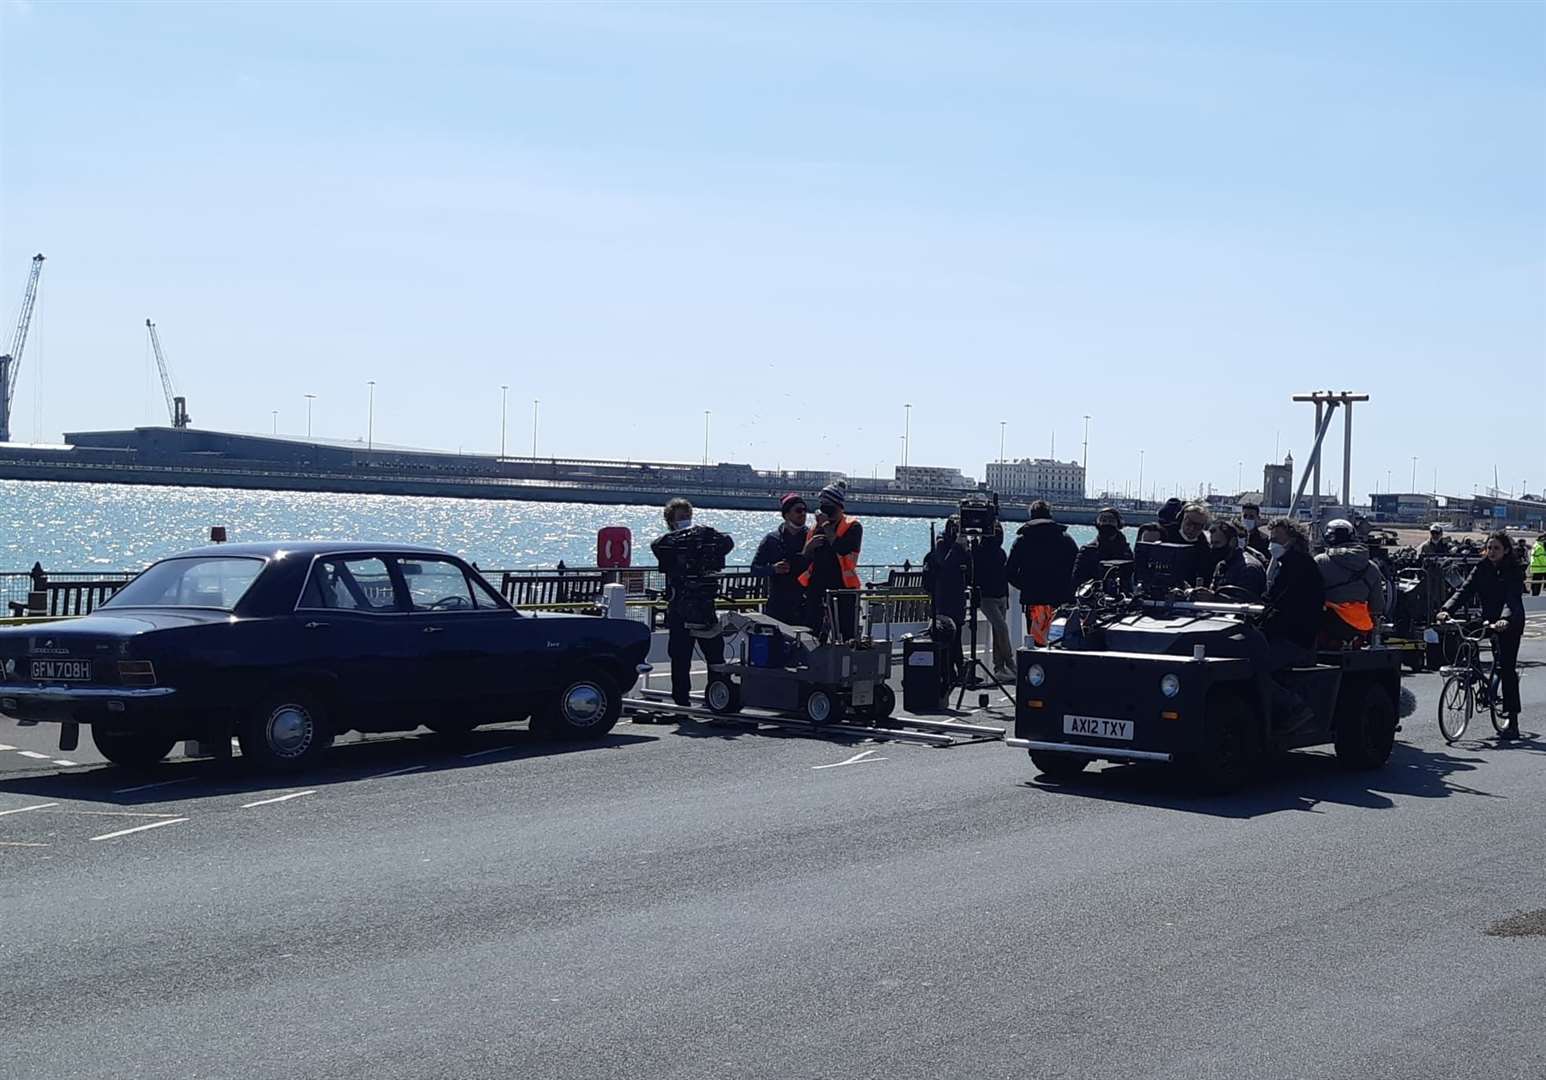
<point>974,602</point>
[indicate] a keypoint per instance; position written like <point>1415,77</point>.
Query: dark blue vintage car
<point>286,645</point>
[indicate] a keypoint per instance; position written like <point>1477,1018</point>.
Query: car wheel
<point>132,749</point>
<point>1227,757</point>
<point>1366,730</point>
<point>822,707</point>
<point>287,730</point>
<point>723,696</point>
<point>586,706</point>
<point>1056,766</point>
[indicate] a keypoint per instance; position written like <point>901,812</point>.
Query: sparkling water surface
<point>123,527</point>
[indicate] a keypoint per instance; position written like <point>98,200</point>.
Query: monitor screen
<point>1158,567</point>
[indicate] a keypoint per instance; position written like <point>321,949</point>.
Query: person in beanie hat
<point>833,548</point>
<point>1170,521</point>
<point>1109,545</point>
<point>1041,566</point>
<point>782,560</point>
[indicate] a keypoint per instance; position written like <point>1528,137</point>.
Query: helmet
<point>1338,531</point>
<point>1436,528</point>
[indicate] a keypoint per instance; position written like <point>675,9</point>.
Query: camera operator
<point>1041,566</point>
<point>689,555</point>
<point>833,549</point>
<point>944,576</point>
<point>1237,566</point>
<point>1109,545</point>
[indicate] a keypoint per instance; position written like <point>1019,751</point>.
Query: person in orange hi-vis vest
<point>1355,586</point>
<point>833,549</point>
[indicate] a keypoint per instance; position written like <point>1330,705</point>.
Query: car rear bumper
<point>85,704</point>
<point>1090,751</point>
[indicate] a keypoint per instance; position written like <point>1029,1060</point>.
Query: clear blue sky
<point>799,217</point>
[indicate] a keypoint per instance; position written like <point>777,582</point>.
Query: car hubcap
<point>584,704</point>
<point>289,731</point>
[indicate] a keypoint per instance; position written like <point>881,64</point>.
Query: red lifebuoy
<point>614,547</point>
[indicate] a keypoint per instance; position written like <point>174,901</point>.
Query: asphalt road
<point>701,902</point>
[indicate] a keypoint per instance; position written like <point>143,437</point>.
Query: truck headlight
<point>1170,685</point>
<point>1035,675</point>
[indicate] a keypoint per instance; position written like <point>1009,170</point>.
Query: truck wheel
<point>723,696</point>
<point>131,749</point>
<point>585,706</point>
<point>287,731</point>
<point>885,703</point>
<point>1227,756</point>
<point>1056,766</point>
<point>822,707</point>
<point>1366,730</point>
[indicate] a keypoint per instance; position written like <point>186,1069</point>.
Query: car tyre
<point>585,706</point>
<point>132,749</point>
<point>1366,730</point>
<point>722,696</point>
<point>287,731</point>
<point>1058,766</point>
<point>822,707</point>
<point>1228,756</point>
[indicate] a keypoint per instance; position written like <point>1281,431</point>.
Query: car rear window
<point>190,582</point>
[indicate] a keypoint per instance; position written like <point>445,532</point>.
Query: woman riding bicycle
<point>1497,586</point>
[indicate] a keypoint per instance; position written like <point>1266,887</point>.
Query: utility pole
<point>309,399</point>
<point>370,416</point>
<point>504,402</point>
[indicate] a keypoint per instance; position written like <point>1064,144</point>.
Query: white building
<point>931,478</point>
<point>1037,478</point>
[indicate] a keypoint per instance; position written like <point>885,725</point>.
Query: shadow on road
<point>1296,781</point>
<point>351,762</point>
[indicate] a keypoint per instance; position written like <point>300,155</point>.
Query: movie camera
<point>978,514</point>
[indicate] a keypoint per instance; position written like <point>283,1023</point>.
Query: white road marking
<point>139,828</point>
<point>33,754</point>
<point>63,761</point>
<point>394,772</point>
<point>3,746</point>
<point>861,758</point>
<point>485,753</point>
<point>278,798</point>
<point>116,813</point>
<point>24,809</point>
<point>147,787</point>
<point>19,843</point>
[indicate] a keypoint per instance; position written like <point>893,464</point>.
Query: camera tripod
<point>973,608</point>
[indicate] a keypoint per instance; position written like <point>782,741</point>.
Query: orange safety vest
<point>849,564</point>
<point>1355,613</point>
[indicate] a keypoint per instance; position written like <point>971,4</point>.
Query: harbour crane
<point>10,363</point>
<point>176,406</point>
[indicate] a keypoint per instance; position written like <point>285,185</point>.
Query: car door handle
<point>433,629</point>
<point>317,625</point>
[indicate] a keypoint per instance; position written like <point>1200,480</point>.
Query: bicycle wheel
<point>1455,706</point>
<point>1495,702</point>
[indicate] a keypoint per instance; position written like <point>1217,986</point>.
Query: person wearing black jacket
<point>1295,597</point>
<point>1041,566</point>
<point>1496,585</point>
<point>1255,539</point>
<point>686,554</point>
<point>990,570</point>
<point>781,559</point>
<point>944,576</point>
<point>1109,545</point>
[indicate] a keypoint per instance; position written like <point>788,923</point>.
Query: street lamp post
<point>504,401</point>
<point>275,413</point>
<point>370,416</point>
<point>1239,476</point>
<point>309,399</point>
<point>907,434</point>
<point>705,442</point>
<point>1084,462</point>
<point>1001,442</point>
<point>534,403</point>
<point>1414,473</point>
<point>1140,476</point>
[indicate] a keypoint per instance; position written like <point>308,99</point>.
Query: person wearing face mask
<point>1192,529</point>
<point>1436,546</point>
<point>1109,545</point>
<point>1236,566</point>
<point>833,549</point>
<point>1295,596</point>
<point>1496,584</point>
<point>1255,536</point>
<point>781,559</point>
<point>687,553</point>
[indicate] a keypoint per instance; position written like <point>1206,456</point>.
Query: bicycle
<point>1469,686</point>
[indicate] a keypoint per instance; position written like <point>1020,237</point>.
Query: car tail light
<point>136,673</point>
